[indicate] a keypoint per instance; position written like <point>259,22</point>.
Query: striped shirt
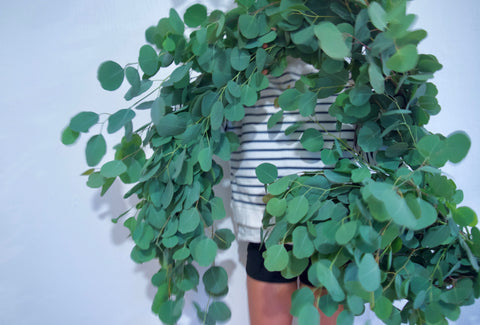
<point>258,145</point>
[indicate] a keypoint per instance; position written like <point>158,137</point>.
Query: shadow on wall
<point>112,205</point>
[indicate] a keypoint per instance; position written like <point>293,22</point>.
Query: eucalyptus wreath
<point>383,226</point>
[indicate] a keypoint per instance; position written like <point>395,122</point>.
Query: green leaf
<point>170,311</point>
<point>95,180</point>
<point>307,103</point>
<point>148,60</point>
<point>195,15</point>
<point>276,258</point>
<point>181,254</point>
<point>132,77</point>
<point>176,22</point>
<point>215,280</point>
<point>189,220</point>
<point>302,244</point>
<point>140,256</point>
<point>325,276</point>
<point>276,207</point>
<point>110,74</point>
<point>404,59</point>
<point>179,73</point>
<point>436,236</point>
<point>83,121</point>
<point>297,208</point>
<point>355,304</point>
<point>224,238</point>
<point>360,95</point>
<point>329,156</point>
<point>219,311</point>
<point>169,44</point>
<point>218,209</point>
<point>171,124</point>
<point>274,119</point>
<point>118,120</point>
<point>345,318</point>
<point>204,251</point>
<point>360,174</point>
<point>205,159</point>
<point>383,308</point>
<point>369,137</point>
<point>346,232</point>
<point>300,298</point>
<point>458,144</point>
<point>432,148</point>
<point>249,96</point>
<point>69,136</point>
<point>239,59</point>
<point>331,40</point>
<point>157,111</point>
<point>378,16</point>
<point>279,186</point>
<point>312,140</point>
<point>266,173</point>
<point>113,168</point>
<point>464,216</point>
<point>234,112</point>
<point>289,99</point>
<point>95,149</point>
<point>216,116</point>
<point>308,315</point>
<point>377,80</point>
<point>189,279</point>
<point>462,290</point>
<point>369,273</point>
<point>248,26</point>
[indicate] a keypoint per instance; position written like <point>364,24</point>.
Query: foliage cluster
<point>382,226</point>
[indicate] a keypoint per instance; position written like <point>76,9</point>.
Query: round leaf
<point>118,120</point>
<point>331,40</point>
<point>266,173</point>
<point>248,26</point>
<point>204,251</point>
<point>346,232</point>
<point>219,311</point>
<point>378,16</point>
<point>276,207</point>
<point>458,144</point>
<point>360,95</point>
<point>148,60</point>
<point>188,221</point>
<point>312,140</point>
<point>404,59</point>
<point>302,244</point>
<point>215,280</point>
<point>113,168</point>
<point>195,15</point>
<point>369,273</point>
<point>276,258</point>
<point>83,121</point>
<point>464,216</point>
<point>69,136</point>
<point>239,59</point>
<point>171,124</point>
<point>297,208</point>
<point>110,74</point>
<point>95,150</point>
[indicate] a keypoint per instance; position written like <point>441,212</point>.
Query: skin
<point>269,303</point>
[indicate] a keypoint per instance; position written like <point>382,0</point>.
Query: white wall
<point>62,261</point>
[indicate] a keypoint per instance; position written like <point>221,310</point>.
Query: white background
<point>61,259</point>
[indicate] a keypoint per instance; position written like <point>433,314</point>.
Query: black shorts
<point>257,271</point>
